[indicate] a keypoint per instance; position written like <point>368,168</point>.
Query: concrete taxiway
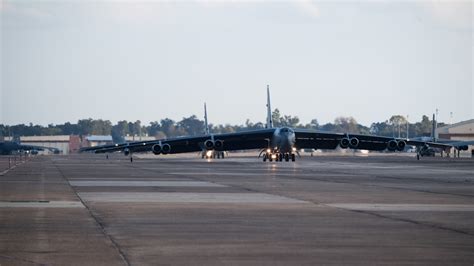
<point>356,210</point>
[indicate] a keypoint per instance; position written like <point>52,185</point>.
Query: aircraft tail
<point>269,110</point>
<point>206,125</point>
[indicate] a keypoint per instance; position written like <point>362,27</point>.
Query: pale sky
<point>67,60</point>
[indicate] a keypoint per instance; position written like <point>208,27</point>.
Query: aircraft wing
<point>260,139</point>
<point>460,144</point>
<point>326,140</point>
<point>255,139</point>
<point>430,144</point>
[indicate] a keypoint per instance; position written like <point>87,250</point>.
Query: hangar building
<point>460,131</point>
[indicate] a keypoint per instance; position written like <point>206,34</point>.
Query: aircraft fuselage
<point>283,140</point>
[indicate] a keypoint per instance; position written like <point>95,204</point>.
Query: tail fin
<point>433,129</point>
<point>269,110</point>
<point>205,121</point>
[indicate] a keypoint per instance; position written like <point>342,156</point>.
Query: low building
<point>460,131</point>
<point>137,138</point>
<point>97,140</point>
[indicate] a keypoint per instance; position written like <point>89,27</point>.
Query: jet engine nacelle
<point>156,149</point>
<point>209,144</point>
<point>354,142</point>
<point>345,142</point>
<point>392,145</point>
<point>165,148</point>
<point>219,144</point>
<point>463,148</point>
<point>126,152</point>
<point>401,145</point>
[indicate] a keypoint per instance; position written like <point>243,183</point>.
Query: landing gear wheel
<point>287,157</point>
<point>264,157</point>
<point>293,157</point>
<point>280,157</point>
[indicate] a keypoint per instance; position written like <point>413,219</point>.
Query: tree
<point>119,131</point>
<point>101,127</point>
<point>424,127</point>
<point>289,121</point>
<point>276,118</point>
<point>346,124</point>
<point>192,126</point>
<point>314,124</point>
<point>69,129</point>
<point>85,126</point>
<point>168,127</point>
<point>154,128</point>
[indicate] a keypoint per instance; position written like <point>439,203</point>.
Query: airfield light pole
<point>399,129</point>
<point>407,126</point>
<point>436,124</point>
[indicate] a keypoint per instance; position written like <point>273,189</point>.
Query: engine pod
<point>344,143</point>
<point>166,148</point>
<point>209,144</point>
<point>219,144</point>
<point>354,142</point>
<point>401,145</point>
<point>156,149</point>
<point>392,145</point>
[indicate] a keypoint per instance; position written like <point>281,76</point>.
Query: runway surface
<point>376,210</point>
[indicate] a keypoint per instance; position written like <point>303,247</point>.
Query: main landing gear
<point>210,154</point>
<point>278,157</point>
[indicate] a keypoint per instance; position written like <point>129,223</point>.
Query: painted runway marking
<point>144,184</point>
<point>180,197</point>
<point>41,204</point>
<point>404,207</point>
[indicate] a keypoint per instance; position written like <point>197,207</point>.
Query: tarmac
<point>182,210</point>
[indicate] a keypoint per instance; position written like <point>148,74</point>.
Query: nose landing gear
<point>278,156</point>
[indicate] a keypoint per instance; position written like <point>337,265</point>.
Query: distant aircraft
<point>11,147</point>
<point>275,144</point>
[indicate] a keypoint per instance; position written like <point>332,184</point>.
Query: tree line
<point>192,126</point>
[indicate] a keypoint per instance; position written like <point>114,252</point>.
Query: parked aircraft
<point>274,143</point>
<point>11,147</point>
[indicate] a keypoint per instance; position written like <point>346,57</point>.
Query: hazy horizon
<point>62,61</point>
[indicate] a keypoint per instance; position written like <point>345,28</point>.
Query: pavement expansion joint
<point>41,204</point>
<point>404,207</point>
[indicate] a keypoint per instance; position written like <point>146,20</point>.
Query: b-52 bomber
<point>274,143</point>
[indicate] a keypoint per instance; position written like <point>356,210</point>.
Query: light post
<point>407,126</point>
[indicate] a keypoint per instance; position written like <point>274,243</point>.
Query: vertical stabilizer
<point>269,110</point>
<point>433,129</point>
<point>206,125</point>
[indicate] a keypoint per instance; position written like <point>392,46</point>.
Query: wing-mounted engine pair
<point>396,145</point>
<point>347,142</point>
<point>211,144</point>
<point>353,143</point>
<point>161,148</point>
